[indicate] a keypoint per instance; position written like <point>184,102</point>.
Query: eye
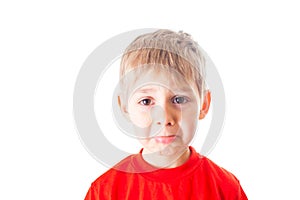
<point>180,100</point>
<point>145,102</point>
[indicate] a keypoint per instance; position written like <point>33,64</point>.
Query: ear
<point>205,105</point>
<point>122,106</point>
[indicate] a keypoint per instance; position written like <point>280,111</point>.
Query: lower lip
<point>165,139</point>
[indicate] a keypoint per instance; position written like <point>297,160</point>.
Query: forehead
<point>146,76</point>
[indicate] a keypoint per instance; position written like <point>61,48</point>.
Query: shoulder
<point>224,182</point>
<point>216,171</point>
<point>112,181</point>
<point>208,168</point>
<point>116,173</point>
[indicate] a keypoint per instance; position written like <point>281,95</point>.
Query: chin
<point>172,150</point>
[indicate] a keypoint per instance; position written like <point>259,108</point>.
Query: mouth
<point>165,139</point>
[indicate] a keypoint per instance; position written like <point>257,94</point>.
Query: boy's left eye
<point>179,100</point>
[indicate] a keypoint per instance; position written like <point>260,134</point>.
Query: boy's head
<point>167,48</point>
<point>164,92</point>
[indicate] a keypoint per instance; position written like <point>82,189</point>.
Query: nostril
<point>169,124</point>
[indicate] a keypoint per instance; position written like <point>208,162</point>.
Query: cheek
<point>139,118</point>
<point>189,123</point>
<point>190,114</point>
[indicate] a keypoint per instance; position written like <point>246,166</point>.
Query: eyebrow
<point>185,89</point>
<point>145,90</point>
<point>179,90</point>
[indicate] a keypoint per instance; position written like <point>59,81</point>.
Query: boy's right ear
<point>122,106</point>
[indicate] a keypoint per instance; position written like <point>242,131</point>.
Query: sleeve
<point>242,194</point>
<point>92,194</point>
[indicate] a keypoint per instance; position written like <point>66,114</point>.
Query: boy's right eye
<point>145,102</point>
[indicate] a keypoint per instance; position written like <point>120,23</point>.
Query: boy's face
<point>164,111</point>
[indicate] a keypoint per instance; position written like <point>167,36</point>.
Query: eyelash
<point>185,100</point>
<point>141,102</point>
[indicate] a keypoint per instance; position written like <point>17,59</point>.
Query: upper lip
<point>165,135</point>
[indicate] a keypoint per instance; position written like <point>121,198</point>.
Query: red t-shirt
<point>198,178</point>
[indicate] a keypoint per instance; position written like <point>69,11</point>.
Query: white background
<point>254,45</point>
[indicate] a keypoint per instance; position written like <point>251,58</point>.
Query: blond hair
<point>164,47</point>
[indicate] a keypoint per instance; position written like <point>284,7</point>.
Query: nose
<point>170,115</point>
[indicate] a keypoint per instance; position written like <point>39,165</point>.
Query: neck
<point>163,159</point>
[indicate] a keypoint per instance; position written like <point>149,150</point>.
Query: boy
<point>163,96</point>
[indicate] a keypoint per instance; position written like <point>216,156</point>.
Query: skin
<point>167,114</point>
